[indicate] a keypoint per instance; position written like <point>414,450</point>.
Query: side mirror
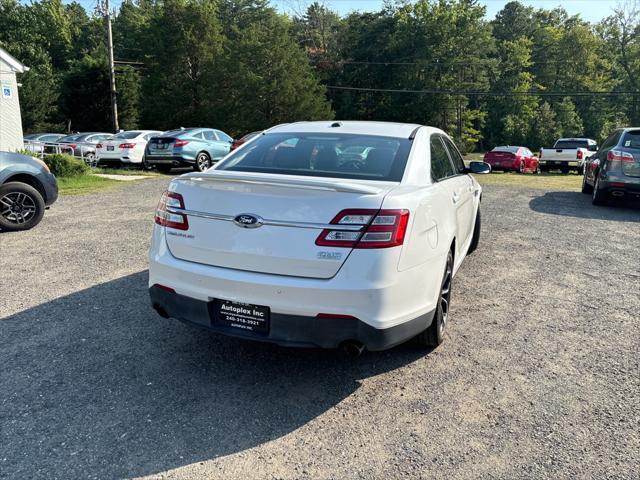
<point>479,167</point>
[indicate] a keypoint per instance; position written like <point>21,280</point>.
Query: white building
<point>10,119</point>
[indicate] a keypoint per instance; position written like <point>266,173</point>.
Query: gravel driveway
<point>539,375</point>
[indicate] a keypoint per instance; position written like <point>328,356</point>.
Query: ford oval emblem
<point>247,220</point>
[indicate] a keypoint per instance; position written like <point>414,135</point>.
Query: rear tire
<point>599,197</point>
<point>434,335</point>
<point>203,162</point>
<point>475,239</point>
<point>21,206</point>
<point>586,188</point>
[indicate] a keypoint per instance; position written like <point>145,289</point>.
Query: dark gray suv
<point>614,171</point>
<point>27,188</point>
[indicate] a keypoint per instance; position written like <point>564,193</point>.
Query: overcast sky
<point>591,10</point>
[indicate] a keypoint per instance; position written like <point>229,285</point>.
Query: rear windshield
<point>126,135</point>
<point>362,157</point>
<point>172,133</point>
<point>506,149</point>
<point>632,139</point>
<point>572,144</point>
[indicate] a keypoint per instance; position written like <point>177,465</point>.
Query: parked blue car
<point>27,188</point>
<point>194,147</point>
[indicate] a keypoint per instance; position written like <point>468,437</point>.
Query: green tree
<point>568,120</point>
<point>266,77</point>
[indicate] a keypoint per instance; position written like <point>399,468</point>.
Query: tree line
<point>526,77</point>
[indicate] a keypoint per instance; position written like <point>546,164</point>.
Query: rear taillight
<point>619,156</point>
<point>98,145</point>
<point>180,143</point>
<point>579,155</point>
<point>72,145</point>
<point>166,215</point>
<point>377,229</point>
<point>127,145</point>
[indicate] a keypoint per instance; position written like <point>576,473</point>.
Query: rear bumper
<point>292,330</point>
<point>168,160</point>
<point>620,187</point>
<point>503,168</point>
<point>560,163</point>
<point>390,306</point>
<point>124,158</point>
<point>50,186</point>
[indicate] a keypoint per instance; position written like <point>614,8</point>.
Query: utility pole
<point>112,73</point>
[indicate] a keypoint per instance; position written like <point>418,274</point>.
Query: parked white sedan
<point>124,147</point>
<point>291,239</point>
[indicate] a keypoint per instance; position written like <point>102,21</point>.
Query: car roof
<point>382,129</point>
<point>576,140</point>
<point>87,134</point>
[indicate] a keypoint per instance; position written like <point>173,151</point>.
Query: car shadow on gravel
<point>577,204</point>
<point>96,385</point>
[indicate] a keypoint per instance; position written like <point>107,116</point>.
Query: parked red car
<point>516,159</point>
<point>244,139</point>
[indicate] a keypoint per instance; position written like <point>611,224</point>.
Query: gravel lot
<point>539,376</point>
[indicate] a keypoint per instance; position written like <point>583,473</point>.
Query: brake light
<point>98,145</point>
<point>377,229</point>
<point>579,155</point>
<point>180,143</point>
<point>127,145</point>
<point>72,145</point>
<point>166,216</point>
<point>619,156</point>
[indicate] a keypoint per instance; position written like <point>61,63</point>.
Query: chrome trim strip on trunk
<point>274,223</point>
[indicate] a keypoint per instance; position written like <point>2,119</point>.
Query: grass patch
<point>85,184</point>
<point>126,171</point>
<point>474,157</point>
<point>545,181</point>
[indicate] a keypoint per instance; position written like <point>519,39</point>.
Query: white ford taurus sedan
<point>321,234</point>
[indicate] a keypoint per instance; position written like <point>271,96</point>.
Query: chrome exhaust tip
<point>617,193</point>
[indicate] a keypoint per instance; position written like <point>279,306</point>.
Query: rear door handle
<point>455,198</point>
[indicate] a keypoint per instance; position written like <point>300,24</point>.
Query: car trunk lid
<point>632,168</point>
<point>294,210</point>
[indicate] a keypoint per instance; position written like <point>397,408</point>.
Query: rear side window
<point>209,135</point>
<point>456,158</point>
<point>441,166</point>
<point>632,139</point>
<point>223,136</point>
<point>611,140</point>
<point>352,156</point>
<point>572,144</point>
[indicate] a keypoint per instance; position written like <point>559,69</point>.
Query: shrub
<point>62,165</point>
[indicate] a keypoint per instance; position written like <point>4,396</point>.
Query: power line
<point>486,94</point>
<point>486,61</point>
